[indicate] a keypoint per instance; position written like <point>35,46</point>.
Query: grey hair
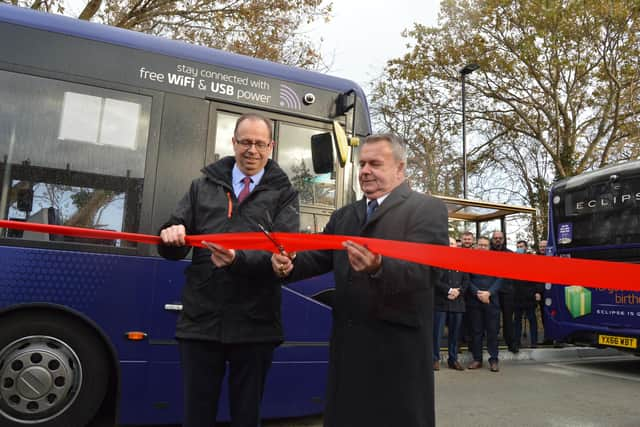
<point>398,147</point>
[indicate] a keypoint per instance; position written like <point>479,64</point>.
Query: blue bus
<point>595,216</point>
<point>105,128</point>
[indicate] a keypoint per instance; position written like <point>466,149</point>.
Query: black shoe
<point>493,367</point>
<point>514,350</point>
<point>436,365</point>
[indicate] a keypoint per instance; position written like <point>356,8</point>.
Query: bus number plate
<point>618,341</point>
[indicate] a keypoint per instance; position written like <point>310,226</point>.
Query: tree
<point>302,180</point>
<point>556,93</point>
<point>432,163</point>
<point>267,29</point>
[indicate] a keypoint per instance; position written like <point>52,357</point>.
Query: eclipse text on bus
<point>606,202</point>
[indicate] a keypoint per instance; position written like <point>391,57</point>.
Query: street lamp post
<point>467,69</point>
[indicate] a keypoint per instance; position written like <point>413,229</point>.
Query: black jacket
<point>239,303</point>
<point>524,293</point>
<point>507,284</point>
<point>380,364</point>
<point>451,279</point>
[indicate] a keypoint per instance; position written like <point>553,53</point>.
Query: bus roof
<point>178,49</point>
<point>597,175</point>
<point>479,211</point>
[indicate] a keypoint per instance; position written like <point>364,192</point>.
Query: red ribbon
<point>593,274</point>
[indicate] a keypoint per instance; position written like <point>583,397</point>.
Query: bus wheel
<point>53,371</point>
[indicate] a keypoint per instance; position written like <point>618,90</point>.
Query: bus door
<point>197,132</point>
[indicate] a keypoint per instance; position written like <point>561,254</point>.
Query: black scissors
<point>273,240</point>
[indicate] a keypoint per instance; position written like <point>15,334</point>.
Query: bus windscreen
<point>600,213</point>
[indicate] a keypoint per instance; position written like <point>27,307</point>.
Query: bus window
<point>307,224</point>
<point>312,223</point>
<point>294,156</point>
<point>604,212</point>
<point>225,123</point>
<point>321,222</point>
<point>81,163</point>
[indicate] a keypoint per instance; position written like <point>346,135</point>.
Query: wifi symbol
<point>289,98</point>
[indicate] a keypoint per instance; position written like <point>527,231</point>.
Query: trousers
<point>203,369</point>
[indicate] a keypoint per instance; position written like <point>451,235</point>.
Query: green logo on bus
<point>578,300</point>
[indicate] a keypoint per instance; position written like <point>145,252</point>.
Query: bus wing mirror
<point>322,153</point>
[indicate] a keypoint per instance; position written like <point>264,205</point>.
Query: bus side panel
<point>151,391</point>
<point>296,382</point>
<point>588,312</point>
<point>114,291</point>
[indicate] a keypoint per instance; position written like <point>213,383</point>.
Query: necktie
<point>245,190</point>
<point>371,208</point>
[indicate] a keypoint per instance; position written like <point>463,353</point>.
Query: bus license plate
<point>618,341</point>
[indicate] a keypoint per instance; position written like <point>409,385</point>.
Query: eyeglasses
<point>247,144</point>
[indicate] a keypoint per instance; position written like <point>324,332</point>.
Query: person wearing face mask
<point>525,295</point>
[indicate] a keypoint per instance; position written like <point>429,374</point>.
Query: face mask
<point>520,250</point>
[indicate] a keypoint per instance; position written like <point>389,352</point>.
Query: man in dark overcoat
<point>380,366</point>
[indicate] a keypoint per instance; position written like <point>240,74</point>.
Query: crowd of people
<point>474,306</point>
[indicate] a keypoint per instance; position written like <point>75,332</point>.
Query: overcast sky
<point>364,34</point>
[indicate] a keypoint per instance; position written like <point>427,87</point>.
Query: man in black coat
<point>483,307</point>
<point>526,295</point>
<point>448,308</point>
<point>231,299</point>
<point>499,243</point>
<point>542,250</point>
<point>380,365</point>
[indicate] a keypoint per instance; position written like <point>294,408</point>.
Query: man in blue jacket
<point>484,308</point>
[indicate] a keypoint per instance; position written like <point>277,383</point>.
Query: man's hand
<point>361,258</point>
<point>454,293</point>
<point>174,235</point>
<point>220,256</point>
<point>282,264</point>
<point>484,296</point>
